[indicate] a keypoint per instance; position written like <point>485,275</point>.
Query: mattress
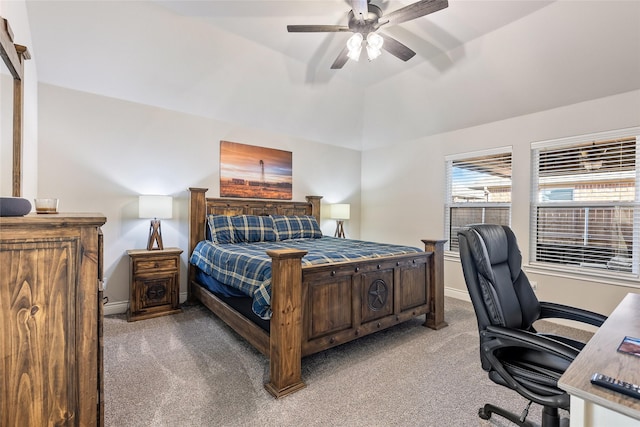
<point>246,267</point>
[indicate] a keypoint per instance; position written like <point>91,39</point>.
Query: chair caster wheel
<point>484,414</point>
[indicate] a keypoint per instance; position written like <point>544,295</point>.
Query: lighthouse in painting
<point>262,172</point>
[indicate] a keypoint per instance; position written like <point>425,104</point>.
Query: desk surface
<point>601,355</point>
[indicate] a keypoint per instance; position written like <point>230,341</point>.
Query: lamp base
<point>155,236</point>
<point>339,229</point>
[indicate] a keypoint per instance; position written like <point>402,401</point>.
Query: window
<point>478,191</point>
<point>586,210</point>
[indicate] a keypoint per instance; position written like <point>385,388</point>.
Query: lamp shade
<point>339,211</point>
<point>155,206</point>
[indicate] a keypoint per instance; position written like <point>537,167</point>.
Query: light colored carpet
<point>190,369</point>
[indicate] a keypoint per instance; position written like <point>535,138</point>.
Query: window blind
<point>478,191</point>
<point>585,211</point>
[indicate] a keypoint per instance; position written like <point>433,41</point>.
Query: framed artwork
<point>255,172</point>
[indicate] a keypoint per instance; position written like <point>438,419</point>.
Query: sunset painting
<point>254,172</point>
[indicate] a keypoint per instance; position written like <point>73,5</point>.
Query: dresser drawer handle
<point>156,265</point>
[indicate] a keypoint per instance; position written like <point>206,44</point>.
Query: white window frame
<point>449,203</point>
<point>596,274</point>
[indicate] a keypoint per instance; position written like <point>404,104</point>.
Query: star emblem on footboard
<point>378,293</point>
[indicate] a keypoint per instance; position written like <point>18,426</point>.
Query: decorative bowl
<point>14,206</point>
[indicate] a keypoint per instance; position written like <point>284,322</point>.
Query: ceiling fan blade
<point>360,8</point>
<point>341,59</point>
<point>316,28</point>
<point>414,11</point>
<point>396,48</point>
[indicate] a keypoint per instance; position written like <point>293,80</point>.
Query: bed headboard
<point>200,206</point>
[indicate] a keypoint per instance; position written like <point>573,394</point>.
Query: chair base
<point>488,409</point>
<point>550,417</point>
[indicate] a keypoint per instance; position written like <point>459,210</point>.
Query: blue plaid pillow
<point>220,229</point>
<point>296,227</point>
<point>253,228</point>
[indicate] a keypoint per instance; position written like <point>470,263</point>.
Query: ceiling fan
<point>364,20</point>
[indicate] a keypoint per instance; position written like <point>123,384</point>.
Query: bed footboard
<point>322,306</point>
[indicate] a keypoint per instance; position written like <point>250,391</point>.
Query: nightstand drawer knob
<point>156,265</point>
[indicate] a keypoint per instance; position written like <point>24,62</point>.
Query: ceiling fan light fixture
<point>366,18</point>
<point>374,45</point>
<point>372,52</point>
<point>354,53</point>
<point>375,40</point>
<point>354,45</point>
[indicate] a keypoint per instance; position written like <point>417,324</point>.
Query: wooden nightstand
<point>155,283</point>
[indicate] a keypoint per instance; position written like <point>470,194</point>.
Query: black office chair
<point>513,353</point>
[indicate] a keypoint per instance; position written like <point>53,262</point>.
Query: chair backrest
<point>492,265</point>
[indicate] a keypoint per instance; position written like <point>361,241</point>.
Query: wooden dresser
<point>51,320</point>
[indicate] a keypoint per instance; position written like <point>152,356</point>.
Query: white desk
<point>595,406</point>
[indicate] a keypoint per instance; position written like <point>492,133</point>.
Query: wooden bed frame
<point>321,306</point>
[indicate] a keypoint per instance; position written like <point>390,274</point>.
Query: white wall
<point>547,58</point>
<point>403,187</point>
<point>98,154</point>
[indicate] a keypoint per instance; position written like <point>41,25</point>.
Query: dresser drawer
<point>155,264</point>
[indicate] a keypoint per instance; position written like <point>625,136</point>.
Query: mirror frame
<point>14,56</point>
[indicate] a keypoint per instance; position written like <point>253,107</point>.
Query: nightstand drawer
<point>149,265</point>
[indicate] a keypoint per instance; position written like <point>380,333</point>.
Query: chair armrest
<point>560,311</point>
<point>524,339</point>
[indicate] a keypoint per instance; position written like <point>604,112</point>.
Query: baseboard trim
<point>464,295</point>
<point>120,307</point>
<point>457,294</point>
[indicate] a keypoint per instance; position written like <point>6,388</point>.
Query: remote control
<point>623,387</point>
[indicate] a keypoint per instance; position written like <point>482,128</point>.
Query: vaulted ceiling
<point>477,61</point>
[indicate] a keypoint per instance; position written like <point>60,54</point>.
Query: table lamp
<point>340,212</point>
<point>155,207</point>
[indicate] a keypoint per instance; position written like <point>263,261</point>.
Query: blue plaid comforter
<point>247,267</point>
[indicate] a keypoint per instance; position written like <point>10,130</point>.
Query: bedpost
<point>197,220</point>
<point>285,356</point>
<point>315,206</point>
<point>435,316</point>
